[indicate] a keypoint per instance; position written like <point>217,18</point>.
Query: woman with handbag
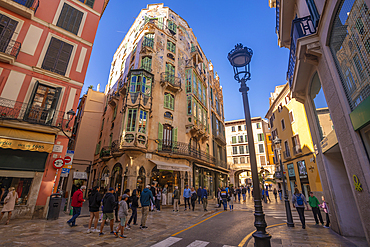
<point>9,203</point>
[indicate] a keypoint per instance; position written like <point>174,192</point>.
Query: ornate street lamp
<point>70,116</point>
<point>240,58</point>
<point>277,143</point>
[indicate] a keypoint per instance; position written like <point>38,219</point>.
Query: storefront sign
<point>68,159</point>
<point>65,172</point>
<point>58,148</point>
<point>357,183</point>
<point>25,145</point>
<point>80,175</point>
<point>291,170</point>
<point>58,163</point>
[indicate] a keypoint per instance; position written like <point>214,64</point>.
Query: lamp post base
<point>261,239</point>
<point>288,213</point>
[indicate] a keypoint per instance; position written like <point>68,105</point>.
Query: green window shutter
<point>166,100</point>
<point>102,125</point>
<point>146,19</point>
<point>263,137</point>
<point>160,136</point>
<point>171,102</point>
<point>246,139</point>
<point>115,113</point>
<point>160,22</point>
<point>90,3</point>
<point>233,139</point>
<point>174,139</point>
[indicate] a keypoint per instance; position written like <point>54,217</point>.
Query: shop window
<point>131,120</point>
<point>140,182</point>
<point>116,179</point>
<point>143,117</point>
<point>349,30</point>
<point>57,56</point>
<point>302,169</point>
<point>22,187</point>
<point>70,19</point>
<point>89,3</point>
<point>169,101</point>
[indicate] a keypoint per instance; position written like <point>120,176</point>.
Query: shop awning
<point>170,166</point>
<point>26,140</point>
<point>210,168</point>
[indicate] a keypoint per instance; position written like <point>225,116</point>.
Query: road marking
<point>195,224</point>
<point>198,243</point>
<point>167,242</point>
<point>250,234</point>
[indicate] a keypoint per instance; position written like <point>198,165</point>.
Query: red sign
<point>67,159</point>
<point>58,163</point>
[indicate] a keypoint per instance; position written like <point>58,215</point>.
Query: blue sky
<point>218,26</point>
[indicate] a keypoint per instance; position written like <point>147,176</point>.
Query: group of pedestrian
<point>299,202</point>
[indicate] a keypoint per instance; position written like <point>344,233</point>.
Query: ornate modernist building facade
<point>164,118</point>
<point>45,48</point>
<point>329,70</point>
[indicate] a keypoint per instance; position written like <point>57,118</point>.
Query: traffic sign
<point>67,159</point>
<point>58,163</point>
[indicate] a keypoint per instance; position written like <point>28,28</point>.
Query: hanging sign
<point>58,163</point>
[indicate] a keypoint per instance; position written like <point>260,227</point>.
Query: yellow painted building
<point>288,120</point>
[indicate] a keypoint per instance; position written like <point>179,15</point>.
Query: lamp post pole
<point>286,200</point>
<point>261,237</point>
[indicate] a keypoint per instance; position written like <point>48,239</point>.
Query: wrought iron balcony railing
<point>10,47</point>
<point>170,78</point>
<point>115,146</point>
<point>105,152</point>
<point>13,110</point>
<point>300,27</point>
<point>148,42</point>
<point>297,150</point>
<point>168,146</point>
<point>31,4</point>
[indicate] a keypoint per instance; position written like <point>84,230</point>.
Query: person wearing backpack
<point>94,205</point>
<point>299,202</point>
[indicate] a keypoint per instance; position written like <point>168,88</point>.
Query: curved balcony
<point>170,82</point>
<point>196,128</point>
<point>115,150</point>
<point>147,46</point>
<point>113,99</point>
<point>105,153</point>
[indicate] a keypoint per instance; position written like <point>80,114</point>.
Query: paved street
<point>185,228</point>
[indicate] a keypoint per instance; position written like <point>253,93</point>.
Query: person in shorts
<point>122,214</point>
<point>109,204</point>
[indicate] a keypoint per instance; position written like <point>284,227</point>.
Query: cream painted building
<point>163,120</point>
<point>237,149</point>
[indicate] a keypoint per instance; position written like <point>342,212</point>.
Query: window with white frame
<point>235,150</point>
<point>70,19</point>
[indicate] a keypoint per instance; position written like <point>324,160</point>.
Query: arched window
<point>350,47</point>
<point>116,179</point>
<point>169,101</point>
<point>140,183</point>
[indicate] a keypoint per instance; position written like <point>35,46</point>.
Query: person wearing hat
<point>109,204</point>
<point>77,201</point>
<point>9,203</point>
<point>122,214</point>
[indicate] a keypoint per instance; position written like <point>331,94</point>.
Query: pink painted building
<point>45,47</point>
